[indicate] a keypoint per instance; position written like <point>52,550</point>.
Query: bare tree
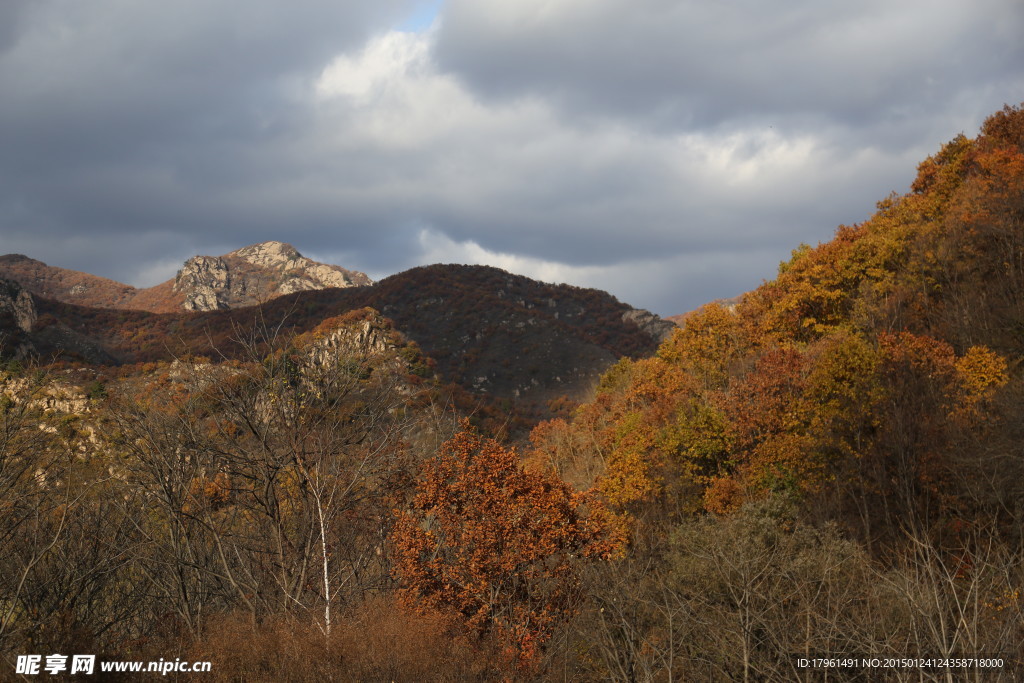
<point>269,475</point>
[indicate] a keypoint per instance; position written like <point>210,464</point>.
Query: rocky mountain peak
<point>270,254</point>
<point>256,273</point>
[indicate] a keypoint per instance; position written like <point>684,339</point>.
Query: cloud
<point>514,176</point>
<point>395,56</point>
<point>673,64</point>
<point>123,119</point>
<point>669,152</point>
<point>12,12</point>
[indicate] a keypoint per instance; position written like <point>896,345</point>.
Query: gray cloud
<point>667,152</point>
<point>695,63</point>
<point>128,119</point>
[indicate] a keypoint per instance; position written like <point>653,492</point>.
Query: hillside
<point>915,317</point>
<point>502,336</point>
<point>61,284</point>
<point>863,405</point>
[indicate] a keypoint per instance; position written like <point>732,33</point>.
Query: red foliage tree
<point>497,544</point>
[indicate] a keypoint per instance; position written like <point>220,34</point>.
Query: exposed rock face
<point>55,396</point>
<point>205,282</point>
<point>255,274</point>
<point>17,321</point>
<point>652,325</point>
<point>359,340</point>
<point>369,337</point>
<point>18,303</point>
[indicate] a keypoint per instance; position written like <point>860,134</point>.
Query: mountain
<point>244,277</point>
<point>494,334</point>
<point>510,336</point>
<point>254,274</point>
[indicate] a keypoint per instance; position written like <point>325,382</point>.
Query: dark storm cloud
<point>122,118</point>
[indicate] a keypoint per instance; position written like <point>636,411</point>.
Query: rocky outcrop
<point>55,396</point>
<point>206,283</point>
<point>350,348</point>
<point>649,323</point>
<point>18,303</point>
<point>366,338</point>
<point>254,274</point>
<point>17,321</point>
<point>302,273</point>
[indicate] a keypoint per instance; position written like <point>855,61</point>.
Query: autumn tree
<point>497,544</point>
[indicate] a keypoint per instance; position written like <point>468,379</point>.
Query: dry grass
<point>376,641</point>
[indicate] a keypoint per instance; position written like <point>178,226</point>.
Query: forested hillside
<point>834,466</point>
<point>900,337</point>
<point>831,468</point>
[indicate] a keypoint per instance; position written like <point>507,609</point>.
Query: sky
<point>669,152</point>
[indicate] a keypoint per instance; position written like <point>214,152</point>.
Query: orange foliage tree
<point>497,544</point>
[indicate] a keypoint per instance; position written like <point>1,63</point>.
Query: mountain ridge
<point>243,277</point>
<point>511,345</point>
